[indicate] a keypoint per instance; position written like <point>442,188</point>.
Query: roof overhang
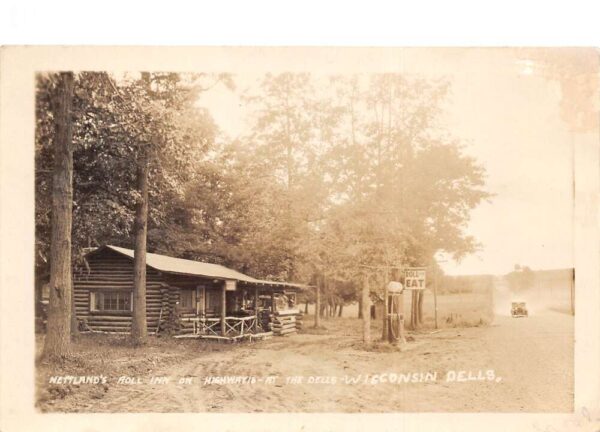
<point>184,267</point>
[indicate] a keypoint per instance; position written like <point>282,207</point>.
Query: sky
<point>507,113</point>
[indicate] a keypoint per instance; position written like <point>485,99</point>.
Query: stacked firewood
<point>285,322</point>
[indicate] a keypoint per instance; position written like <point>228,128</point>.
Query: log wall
<point>109,270</point>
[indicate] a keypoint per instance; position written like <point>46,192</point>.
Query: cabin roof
<point>167,264</point>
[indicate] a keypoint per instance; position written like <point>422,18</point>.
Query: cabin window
<point>187,299</point>
<point>111,301</point>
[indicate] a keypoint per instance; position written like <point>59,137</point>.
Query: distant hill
<point>544,280</point>
<point>541,280</point>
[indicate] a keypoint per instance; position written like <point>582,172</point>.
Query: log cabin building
<point>183,297</point>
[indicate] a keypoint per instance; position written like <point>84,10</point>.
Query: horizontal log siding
<point>111,271</point>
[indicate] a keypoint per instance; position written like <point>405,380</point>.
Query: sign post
<point>414,280</point>
<point>435,282</point>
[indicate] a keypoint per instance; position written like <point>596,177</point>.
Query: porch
<point>227,311</point>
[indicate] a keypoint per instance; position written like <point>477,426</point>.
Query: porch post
<point>256,309</point>
<point>223,307</point>
<point>273,304</point>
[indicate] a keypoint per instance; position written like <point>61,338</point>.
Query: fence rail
<point>234,326</point>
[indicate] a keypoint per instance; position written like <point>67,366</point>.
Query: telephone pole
<point>435,283</point>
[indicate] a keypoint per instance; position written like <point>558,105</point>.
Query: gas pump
<point>395,313</point>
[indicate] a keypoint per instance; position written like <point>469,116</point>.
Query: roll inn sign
<point>414,278</point>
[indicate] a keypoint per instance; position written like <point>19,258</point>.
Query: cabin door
<point>187,299</point>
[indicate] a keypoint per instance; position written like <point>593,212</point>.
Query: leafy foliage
<point>111,119</point>
<point>337,174</point>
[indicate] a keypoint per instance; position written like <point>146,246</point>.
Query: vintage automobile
<point>519,309</point>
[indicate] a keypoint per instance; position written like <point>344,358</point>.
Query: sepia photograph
<point>310,230</point>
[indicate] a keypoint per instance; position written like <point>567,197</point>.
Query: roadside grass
<point>473,309</point>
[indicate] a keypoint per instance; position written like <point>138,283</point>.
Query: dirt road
<point>535,357</point>
<point>514,365</point>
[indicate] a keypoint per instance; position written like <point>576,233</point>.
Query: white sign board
<point>395,287</point>
<point>230,285</point>
<point>414,278</point>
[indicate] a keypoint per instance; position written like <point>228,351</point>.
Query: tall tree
<point>58,337</point>
<point>292,128</point>
<point>366,313</point>
<point>139,327</point>
<point>403,187</point>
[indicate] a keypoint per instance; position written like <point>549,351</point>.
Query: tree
<point>403,188</point>
<point>521,279</point>
<point>292,129</point>
<point>139,327</point>
<point>317,305</point>
<point>112,114</point>
<point>114,117</point>
<point>58,337</point>
<point>366,313</point>
<point>152,105</point>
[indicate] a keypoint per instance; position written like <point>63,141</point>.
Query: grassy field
<point>458,310</point>
<point>454,310</point>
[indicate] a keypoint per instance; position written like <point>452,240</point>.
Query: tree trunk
<point>360,306</point>
<point>74,321</point>
<point>139,329</point>
<point>366,315</point>
<point>420,307</point>
<point>412,309</point>
<point>386,305</point>
<point>414,322</point>
<point>318,306</point>
<point>58,337</point>
<point>306,308</point>
<point>340,310</point>
<point>37,297</point>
